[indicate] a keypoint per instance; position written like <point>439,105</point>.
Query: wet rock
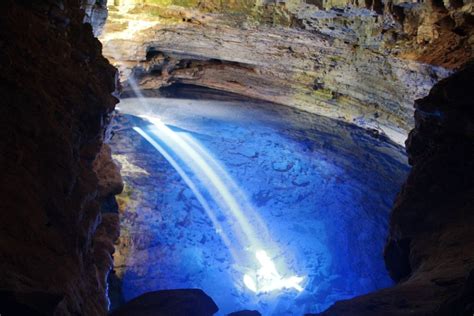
<point>192,302</point>
<point>282,166</point>
<point>245,313</point>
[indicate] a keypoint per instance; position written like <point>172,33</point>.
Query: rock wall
<point>430,243</point>
<point>57,224</point>
<point>96,14</point>
<point>350,64</point>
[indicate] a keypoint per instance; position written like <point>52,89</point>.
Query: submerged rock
<point>245,313</point>
<point>188,302</point>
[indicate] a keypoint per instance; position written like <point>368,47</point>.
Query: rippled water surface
<point>211,183</point>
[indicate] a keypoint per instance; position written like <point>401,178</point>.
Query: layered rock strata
<point>56,225</point>
<point>337,63</point>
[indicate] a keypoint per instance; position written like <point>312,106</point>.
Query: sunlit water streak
<point>224,192</point>
<point>318,192</point>
<point>191,185</point>
<point>218,183</point>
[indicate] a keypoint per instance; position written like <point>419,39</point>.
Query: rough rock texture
<point>56,91</point>
<point>337,63</point>
<point>96,14</point>
<point>430,245</point>
<point>192,302</point>
<point>433,31</point>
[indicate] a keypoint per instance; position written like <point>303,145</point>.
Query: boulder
<point>185,302</point>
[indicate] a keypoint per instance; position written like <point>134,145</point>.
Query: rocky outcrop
<point>170,302</point>
<point>429,248</point>
<point>433,32</point>
<point>96,14</point>
<point>56,90</point>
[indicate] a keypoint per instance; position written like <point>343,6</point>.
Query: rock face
<point>344,64</point>
<point>434,32</point>
<point>56,91</point>
<point>429,249</point>
<point>96,14</point>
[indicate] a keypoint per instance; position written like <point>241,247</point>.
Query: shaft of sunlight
<point>217,188</point>
<point>266,278</point>
<point>192,187</point>
<point>252,216</point>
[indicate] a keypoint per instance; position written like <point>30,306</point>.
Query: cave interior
<point>237,157</point>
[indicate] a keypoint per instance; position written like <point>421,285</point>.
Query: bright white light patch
<point>267,278</point>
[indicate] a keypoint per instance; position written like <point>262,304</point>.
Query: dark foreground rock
<point>56,96</point>
<point>192,302</point>
<point>430,248</point>
<point>28,303</point>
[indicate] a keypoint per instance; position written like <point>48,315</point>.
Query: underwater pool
<point>262,206</point>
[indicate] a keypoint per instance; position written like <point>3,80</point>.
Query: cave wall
<point>429,250</point>
<point>95,14</point>
<point>57,220</point>
<point>432,31</point>
<point>364,63</point>
<point>58,182</point>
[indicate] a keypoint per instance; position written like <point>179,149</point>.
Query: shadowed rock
<point>189,302</point>
<point>28,303</point>
<point>56,91</point>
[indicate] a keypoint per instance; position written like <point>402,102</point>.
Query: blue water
<point>314,193</point>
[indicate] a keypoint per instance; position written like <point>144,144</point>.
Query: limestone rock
<point>334,63</point>
<point>108,174</point>
<point>96,14</point>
